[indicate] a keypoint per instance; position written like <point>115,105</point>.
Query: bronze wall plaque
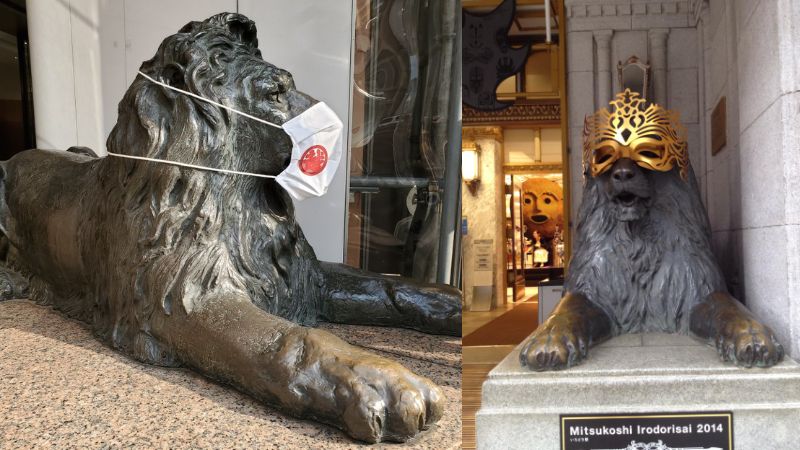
<point>660,431</point>
<point>719,125</point>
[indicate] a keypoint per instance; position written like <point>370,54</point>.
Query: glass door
<point>405,148</point>
<point>515,238</point>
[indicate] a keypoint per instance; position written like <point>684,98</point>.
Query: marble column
<point>485,211</point>
<point>658,62</point>
<point>602,39</point>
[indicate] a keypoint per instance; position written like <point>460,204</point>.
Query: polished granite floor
<point>478,361</point>
<point>61,388</point>
<point>472,320</point>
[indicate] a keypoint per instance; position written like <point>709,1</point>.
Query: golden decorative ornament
<point>649,135</point>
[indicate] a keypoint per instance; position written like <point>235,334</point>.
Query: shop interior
<point>515,204</point>
<point>16,100</point>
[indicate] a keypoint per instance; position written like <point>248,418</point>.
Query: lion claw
<point>553,350</point>
<point>749,344</point>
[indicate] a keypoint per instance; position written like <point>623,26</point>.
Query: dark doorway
<point>16,100</point>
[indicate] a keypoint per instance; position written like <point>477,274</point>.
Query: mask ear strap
<point>220,105</point>
<point>192,166</point>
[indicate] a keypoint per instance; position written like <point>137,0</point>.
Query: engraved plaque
<point>654,431</point>
<point>484,254</point>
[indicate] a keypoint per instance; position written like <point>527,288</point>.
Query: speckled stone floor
<point>61,388</point>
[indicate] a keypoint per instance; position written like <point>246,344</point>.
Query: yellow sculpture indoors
<point>649,135</point>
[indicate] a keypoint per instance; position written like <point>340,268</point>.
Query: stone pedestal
<point>645,373</point>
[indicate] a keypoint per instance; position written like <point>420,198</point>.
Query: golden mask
<point>649,135</point>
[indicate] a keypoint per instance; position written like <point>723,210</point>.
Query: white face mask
<point>316,150</point>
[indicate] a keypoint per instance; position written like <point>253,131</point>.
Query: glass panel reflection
<point>403,77</point>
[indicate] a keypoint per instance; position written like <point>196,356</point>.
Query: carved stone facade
<point>585,15</point>
<point>539,113</point>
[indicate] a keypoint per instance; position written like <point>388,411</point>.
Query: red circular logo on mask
<point>314,160</point>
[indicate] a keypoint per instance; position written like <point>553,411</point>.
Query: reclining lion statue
<point>642,257</point>
<point>177,266</point>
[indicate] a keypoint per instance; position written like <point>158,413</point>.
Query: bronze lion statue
<point>177,266</point>
<point>642,257</point>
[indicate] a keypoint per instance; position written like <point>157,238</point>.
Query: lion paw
<point>748,343</point>
<point>386,402</point>
<point>553,349</point>
<point>371,398</point>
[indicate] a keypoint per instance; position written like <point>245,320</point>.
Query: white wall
<point>85,53</point>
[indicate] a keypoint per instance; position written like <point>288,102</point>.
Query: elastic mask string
<point>194,166</point>
<point>210,101</point>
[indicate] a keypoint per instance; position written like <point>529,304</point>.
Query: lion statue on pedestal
<point>177,266</point>
<point>642,260</point>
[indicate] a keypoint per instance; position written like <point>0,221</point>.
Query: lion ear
<point>243,28</point>
<point>238,26</point>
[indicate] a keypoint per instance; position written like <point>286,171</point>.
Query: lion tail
<point>12,283</point>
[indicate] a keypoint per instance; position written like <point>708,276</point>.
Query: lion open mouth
<point>626,198</point>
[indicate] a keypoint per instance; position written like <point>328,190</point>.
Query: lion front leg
<point>306,372</point>
<point>737,335</point>
<point>563,340</point>
<point>357,297</point>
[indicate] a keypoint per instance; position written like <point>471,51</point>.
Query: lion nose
<point>623,170</point>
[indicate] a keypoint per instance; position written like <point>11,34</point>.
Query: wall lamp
<point>471,168</point>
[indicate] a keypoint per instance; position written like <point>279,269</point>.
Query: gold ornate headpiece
<point>647,134</point>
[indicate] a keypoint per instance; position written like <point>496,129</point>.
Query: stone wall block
<point>682,94</point>
<point>717,68</point>
<point>580,56</point>
<point>763,187</point>
<point>744,9</point>
<point>599,23</point>
<point>696,155</point>
<point>767,293</point>
<point>793,271</point>
<point>790,124</point>
<point>682,47</point>
<point>646,22</point>
<point>719,202</point>
<point>759,66</point>
<point>580,86</point>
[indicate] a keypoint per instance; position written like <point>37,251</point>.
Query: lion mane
<point>646,274</point>
<point>154,232</point>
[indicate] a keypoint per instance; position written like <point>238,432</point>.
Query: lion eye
<point>649,154</point>
<point>602,158</point>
